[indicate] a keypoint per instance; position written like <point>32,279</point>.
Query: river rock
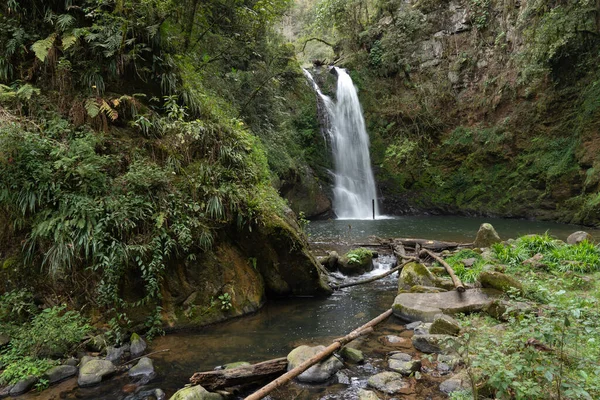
<point>356,266</point>
<point>395,341</point>
<point>415,274</point>
<point>449,359</point>
<point>578,237</point>
<point>196,392</point>
<point>318,373</point>
<point>389,382</point>
<point>432,343</point>
<point>352,355</point>
<point>94,371</point>
<point>444,325</point>
<point>331,262</point>
<point>458,382</point>
<point>486,236</point>
<point>85,360</point>
<point>116,355</point>
<point>23,386</point>
<point>425,306</point>
<point>367,395</point>
<point>60,372</point>
<point>502,309</point>
<point>236,364</point>
<point>403,363</point>
<point>5,391</point>
<point>143,370</point>
<point>499,281</point>
<point>138,345</point>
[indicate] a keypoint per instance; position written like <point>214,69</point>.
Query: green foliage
<point>359,255</point>
<point>466,274</point>
<point>225,300</point>
<point>480,13</point>
<point>16,306</point>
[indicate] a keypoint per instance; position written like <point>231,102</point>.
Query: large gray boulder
<point>389,382</point>
<point>444,325</point>
<point>415,274</point>
<point>195,393</point>
<point>138,345</point>
<point>425,306</point>
<point>116,355</point>
<point>486,236</point>
<point>143,370</point>
<point>60,372</point>
<point>578,237</point>
<point>318,373</point>
<point>93,371</point>
<point>23,386</point>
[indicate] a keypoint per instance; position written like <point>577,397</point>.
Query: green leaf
<point>68,41</point>
<point>41,48</point>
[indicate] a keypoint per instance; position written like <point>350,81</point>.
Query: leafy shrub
<point>466,274</point>
<point>16,306</point>
<point>359,255</point>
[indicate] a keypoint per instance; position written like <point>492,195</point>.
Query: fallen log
<point>375,278</point>
<point>264,371</point>
<point>457,283</point>
<point>434,245</point>
<point>338,343</point>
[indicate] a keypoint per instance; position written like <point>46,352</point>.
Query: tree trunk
<point>263,371</point>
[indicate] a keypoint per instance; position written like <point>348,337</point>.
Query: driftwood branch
<point>434,245</point>
<point>264,371</point>
<point>366,328</point>
<point>375,278</point>
<point>457,283</point>
<point>317,40</point>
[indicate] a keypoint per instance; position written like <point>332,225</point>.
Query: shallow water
<point>450,228</point>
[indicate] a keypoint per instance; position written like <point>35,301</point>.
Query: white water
<point>354,189</point>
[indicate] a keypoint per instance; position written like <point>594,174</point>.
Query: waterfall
<point>354,188</point>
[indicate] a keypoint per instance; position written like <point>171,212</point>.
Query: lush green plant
<point>225,300</point>
<point>466,274</point>
<point>16,306</point>
<point>359,255</point>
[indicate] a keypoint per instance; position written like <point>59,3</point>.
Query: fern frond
<point>92,108</point>
<point>64,22</point>
<point>68,41</point>
<point>108,110</point>
<point>41,48</point>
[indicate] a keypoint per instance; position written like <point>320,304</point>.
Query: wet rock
<point>426,289</point>
<point>60,372</point>
<point>331,262</point>
<point>195,393</point>
<point>578,237</point>
<point>367,395</point>
<point>85,360</point>
<point>425,306</point>
<point>356,262</point>
<point>343,378</point>
<point>94,371</point>
<point>395,341</point>
<point>415,274</point>
<point>444,325</point>
<point>445,283</point>
<point>72,361</point>
<point>502,309</point>
<point>413,325</point>
<point>318,373</point>
<point>23,386</point>
<point>5,391</point>
<point>432,343</point>
<point>458,382</point>
<point>138,345</point>
<point>423,328</point>
<point>236,364</point>
<point>143,370</point>
<point>403,363</point>
<point>486,236</point>
<point>4,340</point>
<point>499,281</point>
<point>389,382</point>
<point>352,355</point>
<point>116,355</point>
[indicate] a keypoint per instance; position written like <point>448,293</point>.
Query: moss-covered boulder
<point>195,393</point>
<point>486,236</point>
<point>578,237</point>
<point>444,325</point>
<point>318,373</point>
<point>499,281</point>
<point>415,274</point>
<point>356,262</point>
<point>352,355</point>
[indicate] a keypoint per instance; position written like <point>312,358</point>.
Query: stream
<point>283,324</point>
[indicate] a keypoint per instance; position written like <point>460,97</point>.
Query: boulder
<point>236,364</point>
<point>425,306</point>
<point>94,371</point>
<point>116,355</point>
<point>196,392</point>
<point>499,281</point>
<point>503,309</point>
<point>5,391</point>
<point>389,382</point>
<point>85,360</point>
<point>458,382</point>
<point>143,370</point>
<point>138,345</point>
<point>318,373</point>
<point>426,289</point>
<point>352,355</point>
<point>60,372</point>
<point>331,262</point>
<point>367,395</point>
<point>403,363</point>
<point>444,325</point>
<point>356,262</point>
<point>23,386</point>
<point>432,343</point>
<point>486,236</point>
<point>415,274</point>
<point>578,237</point>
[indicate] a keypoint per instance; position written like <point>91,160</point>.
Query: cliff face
<point>484,107</point>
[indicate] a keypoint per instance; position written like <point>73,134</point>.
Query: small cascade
<point>354,189</point>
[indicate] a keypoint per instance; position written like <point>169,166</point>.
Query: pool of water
<point>450,228</point>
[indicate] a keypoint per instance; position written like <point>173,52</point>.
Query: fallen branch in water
<point>457,283</point>
<point>435,245</point>
<point>145,355</point>
<point>366,328</point>
<point>264,371</point>
<point>391,271</point>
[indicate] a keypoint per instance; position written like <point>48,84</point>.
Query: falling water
<point>354,189</point>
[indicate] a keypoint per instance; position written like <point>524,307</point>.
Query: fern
<point>68,41</point>
<point>41,48</point>
<point>92,108</point>
<point>108,110</point>
<point>65,22</point>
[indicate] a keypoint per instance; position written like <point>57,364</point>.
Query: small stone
<point>389,382</point>
<point>444,325</point>
<point>159,394</point>
<point>72,362</point>
<point>395,341</point>
<point>138,345</point>
<point>318,373</point>
<point>458,382</point>
<point>499,281</point>
<point>94,371</point>
<point>423,329</point>
<point>469,262</point>
<point>432,343</point>
<point>236,364</point>
<point>116,354</point>
<point>449,359</point>
<point>502,309</point>
<point>60,372</point>
<point>403,363</point>
<point>367,395</point>
<point>578,237</point>
<point>413,325</point>
<point>536,261</point>
<point>352,355</point>
<point>23,386</point>
<point>486,236</point>
<point>144,369</point>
